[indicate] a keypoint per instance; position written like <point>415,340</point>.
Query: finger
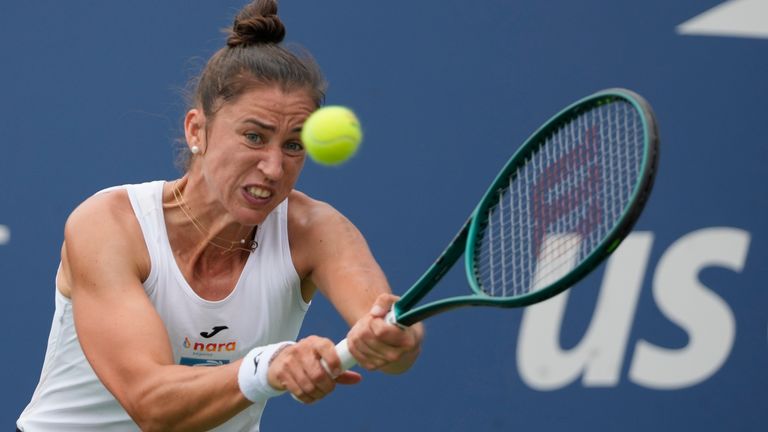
<point>384,345</point>
<point>292,378</point>
<point>393,335</point>
<point>369,357</point>
<point>286,369</point>
<point>348,378</point>
<point>293,387</point>
<point>312,388</point>
<point>303,374</point>
<point>368,350</point>
<point>345,378</point>
<point>316,382</point>
<point>329,359</point>
<point>382,305</point>
<point>308,391</point>
<point>328,369</point>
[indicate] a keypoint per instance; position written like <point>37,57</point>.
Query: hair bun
<point>257,23</point>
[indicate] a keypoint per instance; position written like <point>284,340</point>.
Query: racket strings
<point>555,209</point>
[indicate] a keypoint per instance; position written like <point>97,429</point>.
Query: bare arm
<point>339,263</point>
<point>122,336</point>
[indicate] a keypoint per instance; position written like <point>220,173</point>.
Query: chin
<point>250,216</point>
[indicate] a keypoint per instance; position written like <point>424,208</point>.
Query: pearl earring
<point>195,149</point>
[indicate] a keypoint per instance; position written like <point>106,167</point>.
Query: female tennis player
<point>214,269</point>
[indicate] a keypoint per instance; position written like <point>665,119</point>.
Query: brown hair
<point>254,55</point>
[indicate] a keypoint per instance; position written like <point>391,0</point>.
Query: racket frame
<point>405,310</point>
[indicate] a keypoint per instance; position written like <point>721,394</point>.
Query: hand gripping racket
<point>560,206</point>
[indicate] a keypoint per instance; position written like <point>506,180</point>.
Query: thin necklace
<point>252,244</point>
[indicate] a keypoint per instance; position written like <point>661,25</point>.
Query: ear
<point>194,129</point>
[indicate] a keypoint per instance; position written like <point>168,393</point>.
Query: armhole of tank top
<point>62,306</point>
<point>136,205</point>
<point>295,280</point>
<point>59,295</point>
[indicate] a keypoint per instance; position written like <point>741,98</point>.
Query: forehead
<point>270,101</point>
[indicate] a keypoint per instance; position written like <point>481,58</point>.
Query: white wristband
<point>252,376</point>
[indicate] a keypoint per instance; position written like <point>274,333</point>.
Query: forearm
<point>185,398</point>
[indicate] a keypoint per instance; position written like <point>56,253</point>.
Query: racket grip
<point>347,361</point>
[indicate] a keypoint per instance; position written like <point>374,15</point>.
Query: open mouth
<point>258,192</point>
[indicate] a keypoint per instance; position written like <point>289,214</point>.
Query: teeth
<point>259,192</point>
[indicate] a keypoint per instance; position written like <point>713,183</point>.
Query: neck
<point>205,223</point>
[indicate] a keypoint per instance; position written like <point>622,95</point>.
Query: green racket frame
<point>405,310</point>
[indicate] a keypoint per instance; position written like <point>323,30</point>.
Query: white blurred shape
<point>735,18</point>
<point>5,234</point>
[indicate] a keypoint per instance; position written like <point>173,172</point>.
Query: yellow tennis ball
<point>331,135</point>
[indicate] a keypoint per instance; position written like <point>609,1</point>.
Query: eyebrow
<point>267,126</point>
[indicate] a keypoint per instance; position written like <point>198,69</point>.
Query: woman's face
<point>251,152</point>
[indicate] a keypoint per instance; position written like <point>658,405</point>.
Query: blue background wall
<point>446,90</point>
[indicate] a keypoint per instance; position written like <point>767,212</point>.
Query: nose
<point>271,164</point>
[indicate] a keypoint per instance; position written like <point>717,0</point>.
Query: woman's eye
<point>294,146</point>
<point>253,138</point>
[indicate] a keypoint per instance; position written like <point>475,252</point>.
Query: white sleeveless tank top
<point>265,307</point>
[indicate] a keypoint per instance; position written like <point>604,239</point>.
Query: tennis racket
<point>559,207</point>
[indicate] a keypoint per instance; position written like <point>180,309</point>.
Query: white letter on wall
<point>702,314</point>
<point>544,365</point>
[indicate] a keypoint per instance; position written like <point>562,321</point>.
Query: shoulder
<point>316,221</point>
<point>105,210</point>
<point>316,229</point>
<point>305,212</point>
<point>105,223</point>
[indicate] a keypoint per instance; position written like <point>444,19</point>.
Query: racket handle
<point>347,361</point>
